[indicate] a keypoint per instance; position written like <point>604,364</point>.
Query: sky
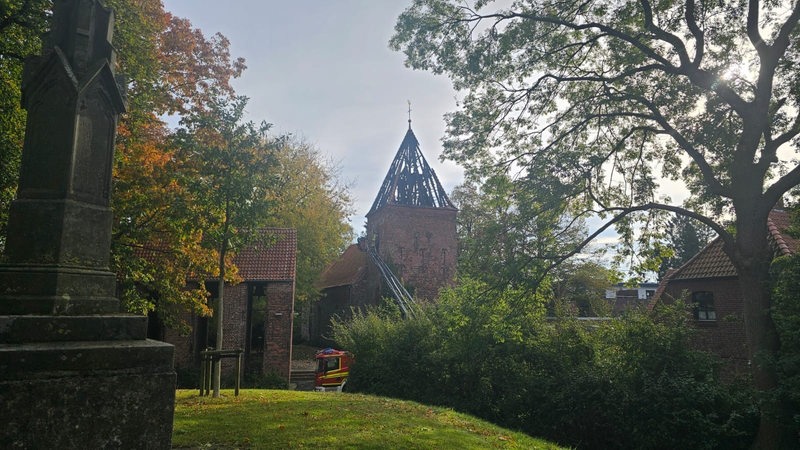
<point>323,71</point>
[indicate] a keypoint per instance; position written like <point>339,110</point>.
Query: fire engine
<point>333,367</point>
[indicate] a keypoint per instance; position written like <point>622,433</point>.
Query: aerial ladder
<point>402,298</point>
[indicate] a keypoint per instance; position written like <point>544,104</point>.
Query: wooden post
<point>238,370</point>
<point>202,373</point>
<point>209,366</point>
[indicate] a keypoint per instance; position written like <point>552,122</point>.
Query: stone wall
<point>419,244</point>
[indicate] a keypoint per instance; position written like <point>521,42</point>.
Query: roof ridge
<point>777,237</point>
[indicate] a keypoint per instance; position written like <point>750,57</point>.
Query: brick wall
<point>277,330</point>
<point>724,337</point>
<point>234,328</point>
<point>334,301</point>
<point>367,290</point>
<point>184,343</point>
<point>418,243</point>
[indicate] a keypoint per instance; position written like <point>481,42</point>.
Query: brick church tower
<point>412,223</point>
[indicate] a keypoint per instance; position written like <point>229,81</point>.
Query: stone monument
<point>74,371</point>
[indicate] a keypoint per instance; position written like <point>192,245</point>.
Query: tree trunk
<point>762,343</point>
<point>219,311</point>
<point>753,257</point>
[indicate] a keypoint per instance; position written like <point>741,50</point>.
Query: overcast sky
<point>323,71</point>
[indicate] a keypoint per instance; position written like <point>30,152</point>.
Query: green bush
<point>631,382</point>
<point>786,314</point>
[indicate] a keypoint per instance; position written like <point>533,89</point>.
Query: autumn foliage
<point>173,73</point>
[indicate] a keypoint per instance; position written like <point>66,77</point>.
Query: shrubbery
<point>786,314</point>
<point>631,382</point>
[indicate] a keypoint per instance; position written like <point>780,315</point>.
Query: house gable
<point>709,281</point>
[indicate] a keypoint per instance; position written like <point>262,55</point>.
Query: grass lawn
<point>273,419</point>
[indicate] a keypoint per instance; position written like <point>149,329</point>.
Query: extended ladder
<point>400,294</point>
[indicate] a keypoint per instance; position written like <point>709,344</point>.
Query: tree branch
<point>783,185</point>
<point>753,32</point>
<point>706,170</point>
<point>699,36</point>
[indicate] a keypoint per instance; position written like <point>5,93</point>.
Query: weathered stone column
<point>74,371</point>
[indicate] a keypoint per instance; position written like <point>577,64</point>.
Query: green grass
<point>273,419</point>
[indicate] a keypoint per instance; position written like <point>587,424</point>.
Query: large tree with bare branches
<point>594,102</point>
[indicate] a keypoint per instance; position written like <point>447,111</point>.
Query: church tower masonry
<point>412,223</point>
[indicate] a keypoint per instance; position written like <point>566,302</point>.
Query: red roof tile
<point>348,269</point>
<point>273,259</point>
<point>778,223</point>
<point>712,262</point>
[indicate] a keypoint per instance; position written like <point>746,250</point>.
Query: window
<point>257,317</point>
<point>327,364</point>
<point>704,306</point>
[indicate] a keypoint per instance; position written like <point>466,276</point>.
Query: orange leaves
<point>195,68</point>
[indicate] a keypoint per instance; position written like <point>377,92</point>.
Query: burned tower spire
<point>412,222</point>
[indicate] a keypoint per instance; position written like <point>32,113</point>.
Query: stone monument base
<point>115,389</point>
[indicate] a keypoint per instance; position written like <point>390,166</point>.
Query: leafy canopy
<point>596,101</point>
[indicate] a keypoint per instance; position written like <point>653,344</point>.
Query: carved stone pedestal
<point>74,372</point>
<point>83,382</point>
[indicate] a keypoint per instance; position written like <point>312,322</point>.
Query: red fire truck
<point>333,367</point>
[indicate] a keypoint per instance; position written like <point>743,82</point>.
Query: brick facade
<point>725,336</point>
<point>412,228</point>
<point>277,351</point>
<point>268,271</point>
<point>418,243</point>
<point>712,272</point>
<point>278,329</point>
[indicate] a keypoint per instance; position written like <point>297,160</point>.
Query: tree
<point>231,186</point>
<point>592,101</point>
<point>581,284</point>
<point>311,199</point>
<point>22,23</point>
<point>684,239</point>
<point>502,229</point>
<point>171,68</point>
<point>786,284</point>
<point>632,382</point>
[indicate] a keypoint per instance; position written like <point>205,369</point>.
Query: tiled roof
<point>272,259</point>
<point>778,223</point>
<point>346,270</point>
<point>712,262</point>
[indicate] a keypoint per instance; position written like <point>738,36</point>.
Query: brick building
<point>622,297</point>
<point>709,281</point>
<point>410,243</point>
<point>258,314</point>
